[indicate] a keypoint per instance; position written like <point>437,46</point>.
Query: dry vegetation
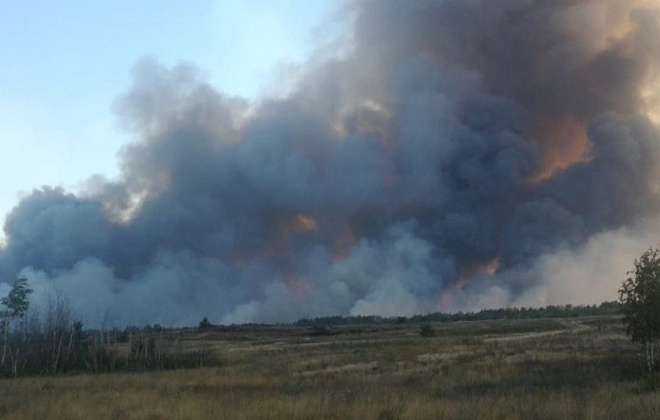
<point>581,368</point>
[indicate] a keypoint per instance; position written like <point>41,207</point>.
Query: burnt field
<point>515,369</point>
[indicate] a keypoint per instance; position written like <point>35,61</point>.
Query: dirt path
<point>572,327</point>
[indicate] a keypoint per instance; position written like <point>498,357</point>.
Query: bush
<point>317,331</point>
<point>123,337</point>
<point>652,382</point>
<point>426,330</point>
<point>205,324</point>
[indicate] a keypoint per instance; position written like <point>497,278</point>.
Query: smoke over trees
<point>447,157</point>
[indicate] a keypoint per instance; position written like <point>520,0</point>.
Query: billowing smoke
<point>455,154</point>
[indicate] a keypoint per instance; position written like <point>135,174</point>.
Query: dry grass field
<point>580,368</point>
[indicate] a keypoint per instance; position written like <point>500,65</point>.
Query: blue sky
<point>64,63</point>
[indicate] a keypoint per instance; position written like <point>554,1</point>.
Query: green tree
<point>16,304</point>
<point>17,300</point>
<point>640,303</point>
<point>426,330</point>
<point>205,324</point>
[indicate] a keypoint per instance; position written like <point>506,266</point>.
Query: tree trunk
<point>5,345</point>
<point>652,356</point>
<point>14,365</point>
<point>57,341</point>
<point>649,365</point>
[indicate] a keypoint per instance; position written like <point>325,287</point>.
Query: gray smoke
<point>446,159</point>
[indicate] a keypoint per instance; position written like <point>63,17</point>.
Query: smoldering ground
<point>449,157</point>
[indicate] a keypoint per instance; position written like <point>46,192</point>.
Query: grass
<point>578,368</point>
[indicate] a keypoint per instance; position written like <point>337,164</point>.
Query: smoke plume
<point>455,154</point>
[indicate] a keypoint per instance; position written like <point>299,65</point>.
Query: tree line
<point>550,311</point>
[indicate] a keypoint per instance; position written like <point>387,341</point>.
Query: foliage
<point>317,331</point>
<point>426,330</point>
<point>551,311</point>
<point>17,300</point>
<point>123,337</point>
<point>652,382</point>
<point>16,303</point>
<point>640,303</point>
<point>205,324</point>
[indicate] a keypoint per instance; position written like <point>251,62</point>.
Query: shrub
<point>205,324</point>
<point>426,330</point>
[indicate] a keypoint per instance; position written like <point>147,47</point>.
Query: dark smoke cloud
<point>453,154</point>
